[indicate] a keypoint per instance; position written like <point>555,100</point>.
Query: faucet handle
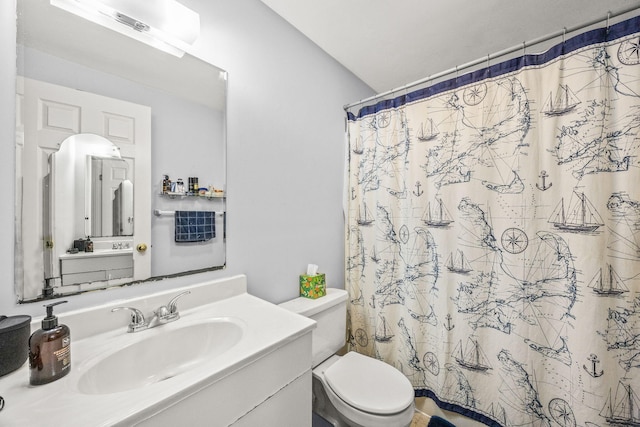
<point>162,312</point>
<point>172,306</point>
<point>137,319</point>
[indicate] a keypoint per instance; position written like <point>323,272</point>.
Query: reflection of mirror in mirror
<point>90,168</point>
<point>72,211</point>
<point>184,100</point>
<point>111,197</point>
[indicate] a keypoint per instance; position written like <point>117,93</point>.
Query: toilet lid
<point>369,384</point>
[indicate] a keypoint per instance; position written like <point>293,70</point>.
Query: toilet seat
<point>369,385</point>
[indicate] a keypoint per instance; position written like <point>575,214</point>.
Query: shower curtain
<point>493,235</point>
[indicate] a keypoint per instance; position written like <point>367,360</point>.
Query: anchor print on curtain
<point>493,236</point>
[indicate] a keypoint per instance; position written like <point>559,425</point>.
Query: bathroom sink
<point>167,351</point>
<point>223,341</point>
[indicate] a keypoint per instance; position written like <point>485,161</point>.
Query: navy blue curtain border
<point>457,408</point>
<point>599,35</point>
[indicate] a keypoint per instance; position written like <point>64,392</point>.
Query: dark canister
<point>14,342</point>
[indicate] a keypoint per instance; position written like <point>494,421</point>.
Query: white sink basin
<point>167,351</point>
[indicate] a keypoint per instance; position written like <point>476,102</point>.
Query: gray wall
<point>285,153</point>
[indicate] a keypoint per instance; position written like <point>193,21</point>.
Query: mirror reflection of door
<point>123,209</point>
<point>50,114</point>
<point>111,197</point>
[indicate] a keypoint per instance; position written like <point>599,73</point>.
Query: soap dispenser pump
<point>49,350</point>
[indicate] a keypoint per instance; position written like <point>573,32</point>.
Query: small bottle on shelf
<point>166,184</point>
<point>180,186</point>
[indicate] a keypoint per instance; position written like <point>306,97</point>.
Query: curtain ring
<point>564,33</point>
<point>608,17</point>
<point>524,48</point>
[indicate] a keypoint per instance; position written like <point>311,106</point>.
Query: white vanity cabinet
<point>272,391</point>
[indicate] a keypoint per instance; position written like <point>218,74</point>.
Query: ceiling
<point>390,43</point>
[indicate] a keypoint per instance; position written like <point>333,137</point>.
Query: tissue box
<point>313,286</point>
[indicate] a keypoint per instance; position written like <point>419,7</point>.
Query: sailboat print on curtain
<point>623,409</point>
<point>580,216</point>
<point>437,215</point>
<point>458,264</point>
<point>358,147</point>
<point>365,217</point>
<point>427,131</point>
<point>563,102</point>
<point>607,282</point>
<point>383,332</point>
<point>471,357</point>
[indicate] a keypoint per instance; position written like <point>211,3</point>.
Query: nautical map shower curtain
<point>493,236</point>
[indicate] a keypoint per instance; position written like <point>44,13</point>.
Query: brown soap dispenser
<point>49,350</point>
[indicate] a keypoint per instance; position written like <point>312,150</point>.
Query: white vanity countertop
<point>266,327</point>
<point>97,253</point>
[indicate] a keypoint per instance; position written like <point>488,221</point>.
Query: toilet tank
<point>330,314</point>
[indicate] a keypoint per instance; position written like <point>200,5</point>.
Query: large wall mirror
<point>104,122</point>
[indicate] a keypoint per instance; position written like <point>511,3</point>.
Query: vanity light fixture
<point>164,24</point>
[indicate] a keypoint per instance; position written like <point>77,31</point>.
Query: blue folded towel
<point>436,421</point>
<point>194,226</point>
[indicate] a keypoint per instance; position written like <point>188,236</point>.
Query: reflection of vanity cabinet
<point>96,266</point>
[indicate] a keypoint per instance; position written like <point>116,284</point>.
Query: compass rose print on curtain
<point>493,236</point>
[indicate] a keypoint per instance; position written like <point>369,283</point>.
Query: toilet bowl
<point>359,391</point>
<point>353,390</point>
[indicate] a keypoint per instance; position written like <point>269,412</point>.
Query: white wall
<point>285,153</point>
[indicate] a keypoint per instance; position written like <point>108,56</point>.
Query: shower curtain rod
<point>498,54</point>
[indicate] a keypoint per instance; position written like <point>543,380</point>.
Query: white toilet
<point>351,390</point>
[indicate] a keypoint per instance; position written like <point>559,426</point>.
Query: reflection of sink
<point>167,353</point>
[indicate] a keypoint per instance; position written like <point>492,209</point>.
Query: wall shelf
<point>159,212</point>
<point>193,196</point>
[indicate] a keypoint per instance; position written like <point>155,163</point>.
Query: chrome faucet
<point>137,319</point>
<point>164,314</point>
<point>167,313</point>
